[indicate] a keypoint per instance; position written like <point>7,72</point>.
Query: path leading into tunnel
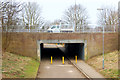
<point>56,69</point>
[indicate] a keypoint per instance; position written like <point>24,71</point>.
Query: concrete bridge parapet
<point>25,43</point>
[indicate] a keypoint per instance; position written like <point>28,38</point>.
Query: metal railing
<point>90,30</point>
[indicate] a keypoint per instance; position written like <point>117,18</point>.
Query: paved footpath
<point>91,72</point>
<point>58,70</point>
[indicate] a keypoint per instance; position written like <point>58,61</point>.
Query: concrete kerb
<point>91,72</point>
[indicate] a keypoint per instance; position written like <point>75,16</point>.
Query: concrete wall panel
<point>26,43</point>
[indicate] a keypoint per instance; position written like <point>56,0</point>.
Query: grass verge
<point>16,66</point>
<point>110,64</point>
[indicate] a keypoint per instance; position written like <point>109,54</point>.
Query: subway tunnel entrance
<point>51,50</point>
<point>57,49</point>
<point>75,49</point>
<point>60,65</point>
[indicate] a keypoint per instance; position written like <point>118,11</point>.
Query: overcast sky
<point>54,9</point>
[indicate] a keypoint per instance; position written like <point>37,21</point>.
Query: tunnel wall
<point>26,43</point>
<point>75,49</point>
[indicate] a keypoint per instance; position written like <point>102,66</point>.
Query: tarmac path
<point>57,69</point>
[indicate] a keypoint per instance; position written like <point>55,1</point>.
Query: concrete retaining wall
<point>26,43</point>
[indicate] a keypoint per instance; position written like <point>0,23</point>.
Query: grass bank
<point>110,64</point>
<point>16,66</point>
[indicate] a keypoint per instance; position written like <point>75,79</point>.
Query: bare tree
<point>32,16</point>
<point>9,18</point>
<point>76,15</point>
<point>46,26</point>
<point>108,18</point>
<point>0,16</point>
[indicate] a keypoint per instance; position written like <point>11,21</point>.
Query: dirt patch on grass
<point>15,66</point>
<point>110,64</point>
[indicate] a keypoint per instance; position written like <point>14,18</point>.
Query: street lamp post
<point>103,34</point>
<point>75,17</point>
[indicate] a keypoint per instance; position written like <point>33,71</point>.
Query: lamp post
<point>103,33</point>
<point>75,17</point>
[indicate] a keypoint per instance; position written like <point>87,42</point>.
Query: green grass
<point>110,64</point>
<point>15,66</point>
<point>113,73</point>
<point>31,69</point>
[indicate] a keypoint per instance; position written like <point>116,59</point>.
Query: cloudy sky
<point>54,9</point>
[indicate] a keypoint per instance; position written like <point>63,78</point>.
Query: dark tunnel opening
<point>54,52</point>
<point>71,50</point>
<point>75,49</point>
<point>51,50</point>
